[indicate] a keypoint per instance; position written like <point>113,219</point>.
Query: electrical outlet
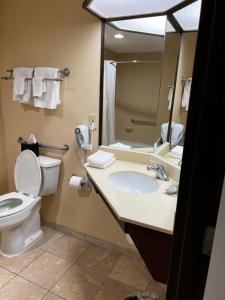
<point>92,119</point>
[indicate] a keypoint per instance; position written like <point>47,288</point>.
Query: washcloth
<point>49,99</point>
<point>186,94</point>
<point>177,152</point>
<point>170,97</point>
<point>22,86</point>
<point>39,86</point>
<point>120,146</point>
<point>101,159</point>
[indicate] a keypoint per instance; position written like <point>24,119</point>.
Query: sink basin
<point>133,183</point>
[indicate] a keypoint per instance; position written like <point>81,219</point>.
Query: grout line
<point>9,279</point>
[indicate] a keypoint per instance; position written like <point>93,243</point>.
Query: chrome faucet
<point>160,171</point>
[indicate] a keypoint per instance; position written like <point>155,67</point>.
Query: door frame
<point>203,163</point>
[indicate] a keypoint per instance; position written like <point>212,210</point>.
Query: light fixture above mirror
<point>147,16</point>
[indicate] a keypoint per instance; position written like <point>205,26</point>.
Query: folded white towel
<point>177,133</point>
<point>120,146</point>
<point>21,86</point>
<point>186,94</point>
<point>101,159</point>
<point>177,152</point>
<point>39,86</point>
<point>49,99</point>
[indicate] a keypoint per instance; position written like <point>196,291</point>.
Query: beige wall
<point>185,69</point>
<point>56,33</point>
<point>3,166</point>
<point>170,58</point>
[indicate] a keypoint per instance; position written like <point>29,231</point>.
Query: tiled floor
<point>63,267</point>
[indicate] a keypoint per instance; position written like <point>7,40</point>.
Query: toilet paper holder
<point>85,182</point>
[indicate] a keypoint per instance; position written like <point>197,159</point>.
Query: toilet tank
<point>50,174</point>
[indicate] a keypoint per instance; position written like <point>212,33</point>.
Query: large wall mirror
<point>146,82</point>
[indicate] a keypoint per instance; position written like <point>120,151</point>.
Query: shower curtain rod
<point>135,61</point>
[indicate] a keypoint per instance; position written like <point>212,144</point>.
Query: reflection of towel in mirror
<point>120,146</point>
<point>164,131</point>
<point>177,133</point>
<point>177,151</point>
<point>186,94</point>
<point>170,97</point>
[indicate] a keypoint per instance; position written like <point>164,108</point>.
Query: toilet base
<point>18,238</point>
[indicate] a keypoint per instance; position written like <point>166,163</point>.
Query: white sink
<point>133,182</point>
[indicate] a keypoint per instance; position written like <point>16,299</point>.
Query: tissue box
<point>33,147</point>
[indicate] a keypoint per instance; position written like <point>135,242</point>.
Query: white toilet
<point>19,211</point>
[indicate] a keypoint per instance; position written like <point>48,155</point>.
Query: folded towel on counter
<point>39,86</point>
<point>21,86</point>
<point>177,152</point>
<point>120,146</point>
<point>101,159</point>
<point>50,98</point>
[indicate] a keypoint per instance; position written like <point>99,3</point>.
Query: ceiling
<point>132,42</point>
<point>183,15</point>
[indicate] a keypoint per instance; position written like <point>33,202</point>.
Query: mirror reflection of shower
<point>132,87</point>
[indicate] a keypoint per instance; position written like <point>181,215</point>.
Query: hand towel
<point>177,151</point>
<point>186,94</point>
<point>21,86</point>
<point>170,97</point>
<point>101,159</point>
<point>50,99</point>
<point>38,86</point>
<point>177,133</point>
<point>120,146</point>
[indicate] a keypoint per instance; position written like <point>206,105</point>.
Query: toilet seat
<point>8,205</point>
<point>27,176</point>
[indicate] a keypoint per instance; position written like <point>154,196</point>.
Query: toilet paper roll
<point>75,182</point>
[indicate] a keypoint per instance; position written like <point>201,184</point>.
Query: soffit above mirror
<point>137,15</point>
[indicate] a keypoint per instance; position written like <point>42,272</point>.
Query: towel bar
<point>63,73</point>
<point>143,122</point>
<point>63,148</point>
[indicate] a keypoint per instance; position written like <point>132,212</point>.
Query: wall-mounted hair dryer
<point>82,136</point>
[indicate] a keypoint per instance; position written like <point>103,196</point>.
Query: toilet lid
<point>27,173</point>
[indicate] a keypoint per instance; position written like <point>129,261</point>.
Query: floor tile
<point>49,237</point>
<point>46,270</point>
<point>132,272</point>
<point>114,290</point>
<point>156,288</point>
<point>5,276</point>
<point>68,247</point>
<point>21,289</point>
<point>17,263</point>
<point>75,285</point>
<point>50,296</point>
<point>98,263</point>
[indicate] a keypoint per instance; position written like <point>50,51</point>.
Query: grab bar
<point>63,148</point>
<point>143,122</point>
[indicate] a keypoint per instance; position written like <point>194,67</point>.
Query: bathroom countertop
<point>153,210</point>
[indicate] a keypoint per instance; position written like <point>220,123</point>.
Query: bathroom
<point>84,253</point>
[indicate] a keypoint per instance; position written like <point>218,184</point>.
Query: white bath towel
<point>120,146</point>
<point>21,86</point>
<point>164,131</point>
<point>177,133</point>
<point>38,86</point>
<point>49,99</point>
<point>170,97</point>
<point>186,94</point>
<point>177,151</point>
<point>101,159</point>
